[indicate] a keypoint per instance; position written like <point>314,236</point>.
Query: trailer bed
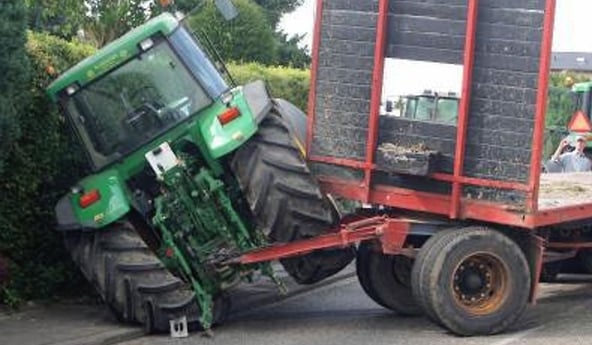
<point>565,189</point>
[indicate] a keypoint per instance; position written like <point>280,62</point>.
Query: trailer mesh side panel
<point>505,76</point>
<point>344,79</point>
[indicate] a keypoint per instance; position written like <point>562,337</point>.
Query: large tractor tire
<point>132,281</point>
<point>473,281</point>
<point>386,279</point>
<point>285,198</point>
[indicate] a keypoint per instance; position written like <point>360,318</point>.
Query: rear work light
<point>89,198</point>
<point>228,115</point>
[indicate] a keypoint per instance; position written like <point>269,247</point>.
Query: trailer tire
<point>286,200</point>
<point>474,281</point>
<point>132,281</point>
<point>362,263</point>
<point>386,279</point>
<point>550,271</point>
<point>585,257</point>
<point>425,254</point>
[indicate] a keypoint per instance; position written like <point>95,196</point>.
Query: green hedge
<point>283,82</point>
<point>40,166</point>
<point>45,162</point>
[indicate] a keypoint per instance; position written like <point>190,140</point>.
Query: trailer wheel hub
<point>480,283</point>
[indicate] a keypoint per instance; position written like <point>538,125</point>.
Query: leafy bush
<point>41,165</point>
<point>291,84</point>
<point>13,69</point>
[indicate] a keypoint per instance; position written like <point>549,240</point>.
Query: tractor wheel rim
<point>480,283</point>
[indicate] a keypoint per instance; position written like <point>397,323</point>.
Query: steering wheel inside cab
<point>151,114</point>
<point>144,119</point>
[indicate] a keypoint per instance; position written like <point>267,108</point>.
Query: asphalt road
<point>341,314</point>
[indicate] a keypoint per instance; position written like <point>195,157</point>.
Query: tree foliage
<point>275,9</point>
<point>58,17</point>
<point>109,19</point>
<point>560,100</point>
<point>14,71</point>
<point>289,53</point>
<point>248,37</point>
<point>253,36</point>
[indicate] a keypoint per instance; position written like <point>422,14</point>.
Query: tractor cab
<point>432,106</point>
<point>136,92</point>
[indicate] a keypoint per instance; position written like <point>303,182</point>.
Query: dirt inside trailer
<point>565,189</point>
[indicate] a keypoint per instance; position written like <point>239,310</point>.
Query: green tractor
<point>429,106</point>
<point>187,172</point>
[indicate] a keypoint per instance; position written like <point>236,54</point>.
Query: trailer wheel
<point>285,198</point>
<point>585,257</point>
<point>474,281</point>
<point>132,281</point>
<point>550,271</point>
<point>387,279</point>
<point>362,264</point>
<point>425,254</point>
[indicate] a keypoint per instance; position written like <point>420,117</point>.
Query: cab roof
<point>112,54</point>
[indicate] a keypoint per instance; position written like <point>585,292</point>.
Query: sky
<point>571,24</point>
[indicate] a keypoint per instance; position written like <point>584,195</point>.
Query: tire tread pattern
<point>285,198</point>
<point>438,304</point>
<point>131,278</point>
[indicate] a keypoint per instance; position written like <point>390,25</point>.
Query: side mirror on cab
<point>226,8</point>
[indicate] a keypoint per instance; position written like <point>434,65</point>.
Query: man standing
<point>574,161</point>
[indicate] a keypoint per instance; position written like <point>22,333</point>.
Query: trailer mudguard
<point>99,200</point>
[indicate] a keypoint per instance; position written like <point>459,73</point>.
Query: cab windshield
<point>135,103</point>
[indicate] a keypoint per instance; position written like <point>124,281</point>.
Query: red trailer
<point>460,221</point>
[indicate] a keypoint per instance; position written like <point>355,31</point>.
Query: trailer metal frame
<point>453,205</point>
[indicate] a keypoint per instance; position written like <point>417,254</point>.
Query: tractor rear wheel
<point>473,281</point>
<point>285,198</point>
<point>132,281</point>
